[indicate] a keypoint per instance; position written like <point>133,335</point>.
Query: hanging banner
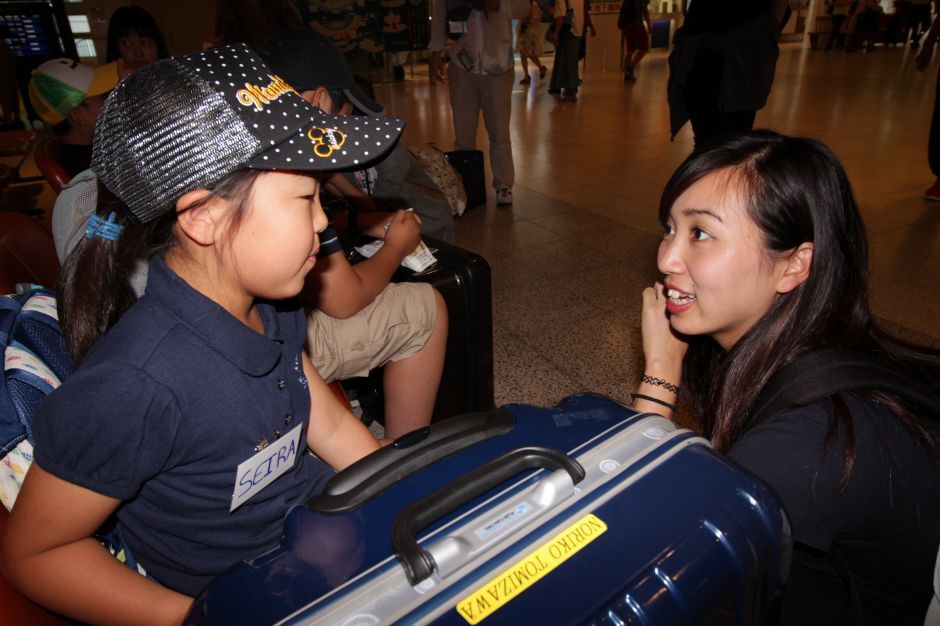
<point>371,25</point>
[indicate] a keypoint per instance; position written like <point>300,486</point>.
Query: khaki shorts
<point>396,325</point>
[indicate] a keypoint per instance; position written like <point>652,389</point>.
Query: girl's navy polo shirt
<point>162,411</point>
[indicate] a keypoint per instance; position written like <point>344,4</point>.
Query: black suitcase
<point>464,279</point>
<point>469,164</point>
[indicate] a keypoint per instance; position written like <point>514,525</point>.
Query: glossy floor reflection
<point>572,254</point>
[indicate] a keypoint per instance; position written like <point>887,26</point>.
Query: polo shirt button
<point>281,384</point>
<point>288,419</point>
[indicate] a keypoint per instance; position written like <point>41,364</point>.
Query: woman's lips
<point>678,301</point>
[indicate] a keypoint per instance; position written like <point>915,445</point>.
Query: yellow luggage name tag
<point>524,573</point>
<point>265,467</point>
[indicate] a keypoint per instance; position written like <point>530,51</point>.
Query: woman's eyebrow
<point>688,212</point>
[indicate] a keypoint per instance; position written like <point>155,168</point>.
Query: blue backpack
<point>35,361</point>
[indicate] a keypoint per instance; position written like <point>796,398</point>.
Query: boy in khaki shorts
<point>361,320</point>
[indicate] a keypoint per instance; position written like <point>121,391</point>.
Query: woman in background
<point>529,42</point>
<point>134,40</point>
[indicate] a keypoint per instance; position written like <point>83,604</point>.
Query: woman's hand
<point>663,349</point>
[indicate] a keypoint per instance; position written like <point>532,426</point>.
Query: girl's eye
<point>668,230</point>
<point>700,235</point>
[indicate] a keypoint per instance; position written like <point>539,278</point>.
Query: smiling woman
<point>765,261</point>
<point>720,282</point>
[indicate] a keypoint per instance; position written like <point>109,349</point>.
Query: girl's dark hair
<point>796,191</point>
<point>133,20</point>
<point>95,284</point>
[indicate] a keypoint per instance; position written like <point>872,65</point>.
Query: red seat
<point>27,253</point>
<point>48,159</point>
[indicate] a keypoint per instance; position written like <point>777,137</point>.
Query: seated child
<point>190,413</point>
<point>68,96</point>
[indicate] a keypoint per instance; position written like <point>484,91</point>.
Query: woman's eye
<point>668,230</point>
<point>699,235</point>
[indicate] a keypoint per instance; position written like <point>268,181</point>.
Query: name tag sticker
<point>265,467</point>
<point>513,581</point>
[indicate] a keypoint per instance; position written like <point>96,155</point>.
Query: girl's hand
<point>663,349</point>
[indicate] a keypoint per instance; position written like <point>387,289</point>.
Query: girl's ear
<point>796,268</point>
<point>199,219</point>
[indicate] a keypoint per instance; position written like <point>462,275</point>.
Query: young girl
<point>189,420</point>
<point>765,260</point>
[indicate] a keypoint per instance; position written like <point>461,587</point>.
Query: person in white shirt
<point>480,74</point>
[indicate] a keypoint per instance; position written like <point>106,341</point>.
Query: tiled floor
<point>572,254</point>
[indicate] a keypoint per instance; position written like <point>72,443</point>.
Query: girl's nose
<point>669,259</point>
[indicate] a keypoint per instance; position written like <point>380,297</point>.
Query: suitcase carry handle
<point>418,563</point>
<point>370,476</point>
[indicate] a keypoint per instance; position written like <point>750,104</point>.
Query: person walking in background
<point>722,65</point>
<point>919,13</point>
<point>480,76</point>
<point>933,139</point>
<point>529,42</point>
<point>635,27</point>
<point>839,11</point>
<point>572,18</point>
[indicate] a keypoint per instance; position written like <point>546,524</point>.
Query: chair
<point>27,253</point>
<point>48,159</point>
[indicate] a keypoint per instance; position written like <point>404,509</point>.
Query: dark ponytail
<point>95,283</point>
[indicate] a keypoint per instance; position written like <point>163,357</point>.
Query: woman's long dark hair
<point>796,191</point>
<point>133,20</point>
<point>95,283</point>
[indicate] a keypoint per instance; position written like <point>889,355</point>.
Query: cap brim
<point>364,103</point>
<point>104,79</point>
<point>332,142</point>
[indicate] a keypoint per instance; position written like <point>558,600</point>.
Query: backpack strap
<point>829,371</point>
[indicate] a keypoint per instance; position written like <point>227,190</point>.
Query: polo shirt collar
<point>252,353</point>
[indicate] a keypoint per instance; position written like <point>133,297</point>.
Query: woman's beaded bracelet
<point>671,407</point>
<point>659,382</point>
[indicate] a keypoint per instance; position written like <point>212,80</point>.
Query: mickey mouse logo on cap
<point>326,140</point>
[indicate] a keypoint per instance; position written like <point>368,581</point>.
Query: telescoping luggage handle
<point>418,563</point>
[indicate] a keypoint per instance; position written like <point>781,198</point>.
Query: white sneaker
<point>503,196</point>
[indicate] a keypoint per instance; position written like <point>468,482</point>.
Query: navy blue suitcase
<point>587,513</point>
